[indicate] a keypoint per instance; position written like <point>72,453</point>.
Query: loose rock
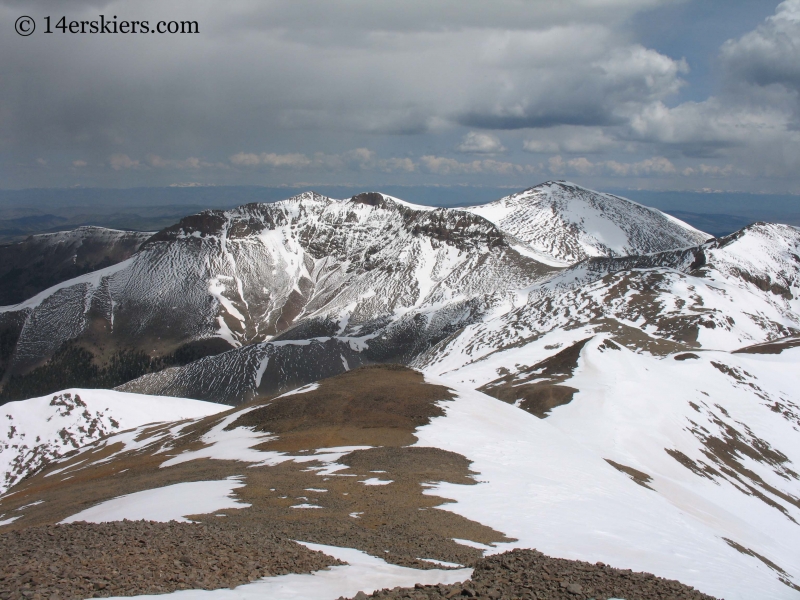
<point>127,558</point>
<point>530,575</point>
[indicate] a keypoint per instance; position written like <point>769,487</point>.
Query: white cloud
<point>480,143</point>
<point>447,166</point>
<point>123,161</point>
<point>294,160</point>
<point>397,164</point>
<point>157,162</point>
<point>271,159</point>
<point>575,75</point>
<point>657,166</point>
<point>359,159</point>
<point>713,122</point>
<point>711,171</point>
<point>79,163</point>
<point>243,159</point>
<point>770,54</point>
<point>571,140</point>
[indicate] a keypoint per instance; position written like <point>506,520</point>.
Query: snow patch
<point>376,481</point>
<point>168,503</point>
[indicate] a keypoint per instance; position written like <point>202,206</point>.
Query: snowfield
<point>547,483</point>
<point>168,503</point>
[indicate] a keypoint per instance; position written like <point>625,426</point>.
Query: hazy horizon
<point>30,211</point>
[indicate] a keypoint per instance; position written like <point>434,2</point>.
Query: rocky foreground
<point>528,574</point>
<point>128,558</point>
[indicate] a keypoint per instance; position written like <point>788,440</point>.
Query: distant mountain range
<point>32,211</point>
<point>372,268</point>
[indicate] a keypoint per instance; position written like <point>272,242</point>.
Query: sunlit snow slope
<point>563,223</point>
<point>711,441</point>
<point>726,294</point>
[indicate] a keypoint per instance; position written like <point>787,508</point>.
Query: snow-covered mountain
<point>563,223</point>
<point>722,295</point>
<point>374,267</point>
<point>243,276</point>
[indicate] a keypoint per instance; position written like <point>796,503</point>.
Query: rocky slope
<point>529,574</point>
<point>135,558</point>
<point>44,260</point>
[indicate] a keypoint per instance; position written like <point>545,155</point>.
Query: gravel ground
<point>83,560</point>
<point>528,574</point>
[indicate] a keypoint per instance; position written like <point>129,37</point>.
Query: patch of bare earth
<point>771,347</point>
<point>640,477</point>
<point>539,389</point>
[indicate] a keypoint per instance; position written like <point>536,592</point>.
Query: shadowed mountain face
<point>41,261</point>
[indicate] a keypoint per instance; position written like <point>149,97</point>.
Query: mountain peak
<point>568,223</point>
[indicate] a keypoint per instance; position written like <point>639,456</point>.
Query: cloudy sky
<point>653,94</point>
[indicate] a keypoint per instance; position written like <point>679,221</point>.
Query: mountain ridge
<point>371,267</point>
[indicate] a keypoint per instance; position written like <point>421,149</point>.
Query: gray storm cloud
<point>270,90</point>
